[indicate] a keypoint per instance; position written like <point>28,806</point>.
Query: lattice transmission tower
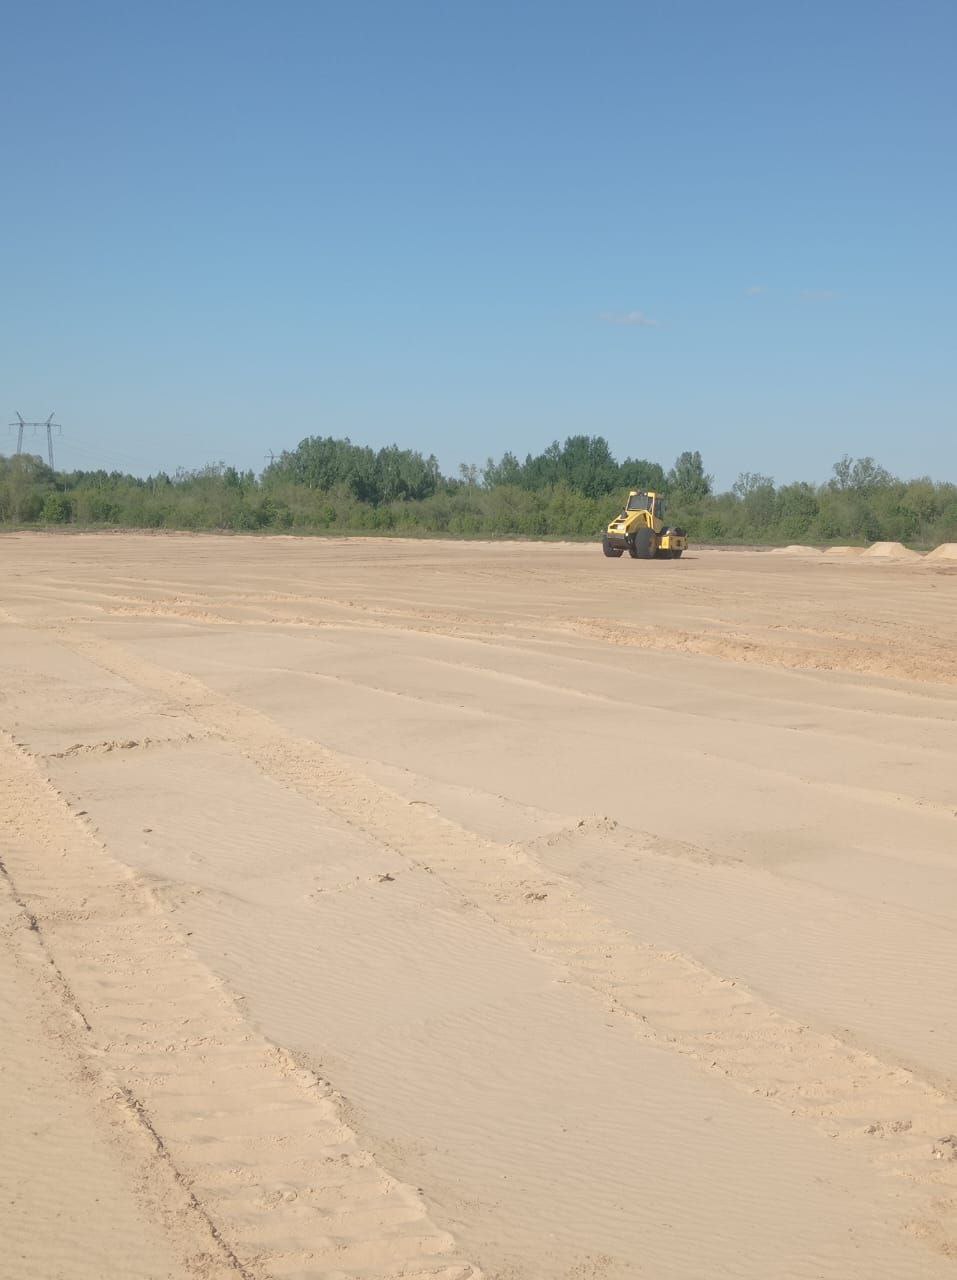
<point>50,425</point>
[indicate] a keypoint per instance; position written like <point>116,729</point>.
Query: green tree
<point>506,472</point>
<point>758,499</point>
<point>688,478</point>
<point>56,509</point>
<point>639,473</point>
<point>797,509</point>
<point>24,483</point>
<point>586,465</point>
<point>859,475</point>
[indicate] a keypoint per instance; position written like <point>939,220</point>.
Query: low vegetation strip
<point>326,485</point>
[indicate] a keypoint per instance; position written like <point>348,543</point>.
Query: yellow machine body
<point>640,530</point>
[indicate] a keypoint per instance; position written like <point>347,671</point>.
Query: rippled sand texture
<point>380,909</point>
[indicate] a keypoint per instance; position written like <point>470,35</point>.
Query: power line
<point>96,452</point>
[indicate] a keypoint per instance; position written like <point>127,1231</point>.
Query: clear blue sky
<point>226,226</point>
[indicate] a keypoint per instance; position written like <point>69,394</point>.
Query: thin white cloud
<point>753,290</point>
<point>637,318</point>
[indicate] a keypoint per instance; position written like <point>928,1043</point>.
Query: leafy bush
<point>56,509</point>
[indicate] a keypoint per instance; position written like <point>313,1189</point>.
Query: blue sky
<point>472,227</point>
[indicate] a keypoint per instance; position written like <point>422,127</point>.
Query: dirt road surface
<point>378,908</point>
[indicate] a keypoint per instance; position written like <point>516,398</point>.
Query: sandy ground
<point>379,909</point>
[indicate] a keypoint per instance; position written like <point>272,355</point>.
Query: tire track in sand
<point>669,998</point>
<point>256,1145</point>
<point>72,1144</point>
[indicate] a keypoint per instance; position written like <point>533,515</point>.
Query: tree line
<point>330,485</point>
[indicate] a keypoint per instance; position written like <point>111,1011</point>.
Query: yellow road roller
<point>641,530</point>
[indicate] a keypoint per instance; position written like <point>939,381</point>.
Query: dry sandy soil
<point>379,909</point>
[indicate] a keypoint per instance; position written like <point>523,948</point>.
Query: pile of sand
<point>890,551</point>
<point>795,550</point>
<point>844,551</point>
<point>946,551</point>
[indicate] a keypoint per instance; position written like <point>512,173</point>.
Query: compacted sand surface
<point>380,909</point>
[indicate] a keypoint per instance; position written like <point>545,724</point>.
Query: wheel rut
<point>668,998</point>
<point>254,1144</point>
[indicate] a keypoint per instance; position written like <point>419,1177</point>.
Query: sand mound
<point>890,551</point>
<point>795,550</point>
<point>946,551</point>
<point>844,551</point>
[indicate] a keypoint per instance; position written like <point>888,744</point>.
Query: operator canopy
<point>644,502</point>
